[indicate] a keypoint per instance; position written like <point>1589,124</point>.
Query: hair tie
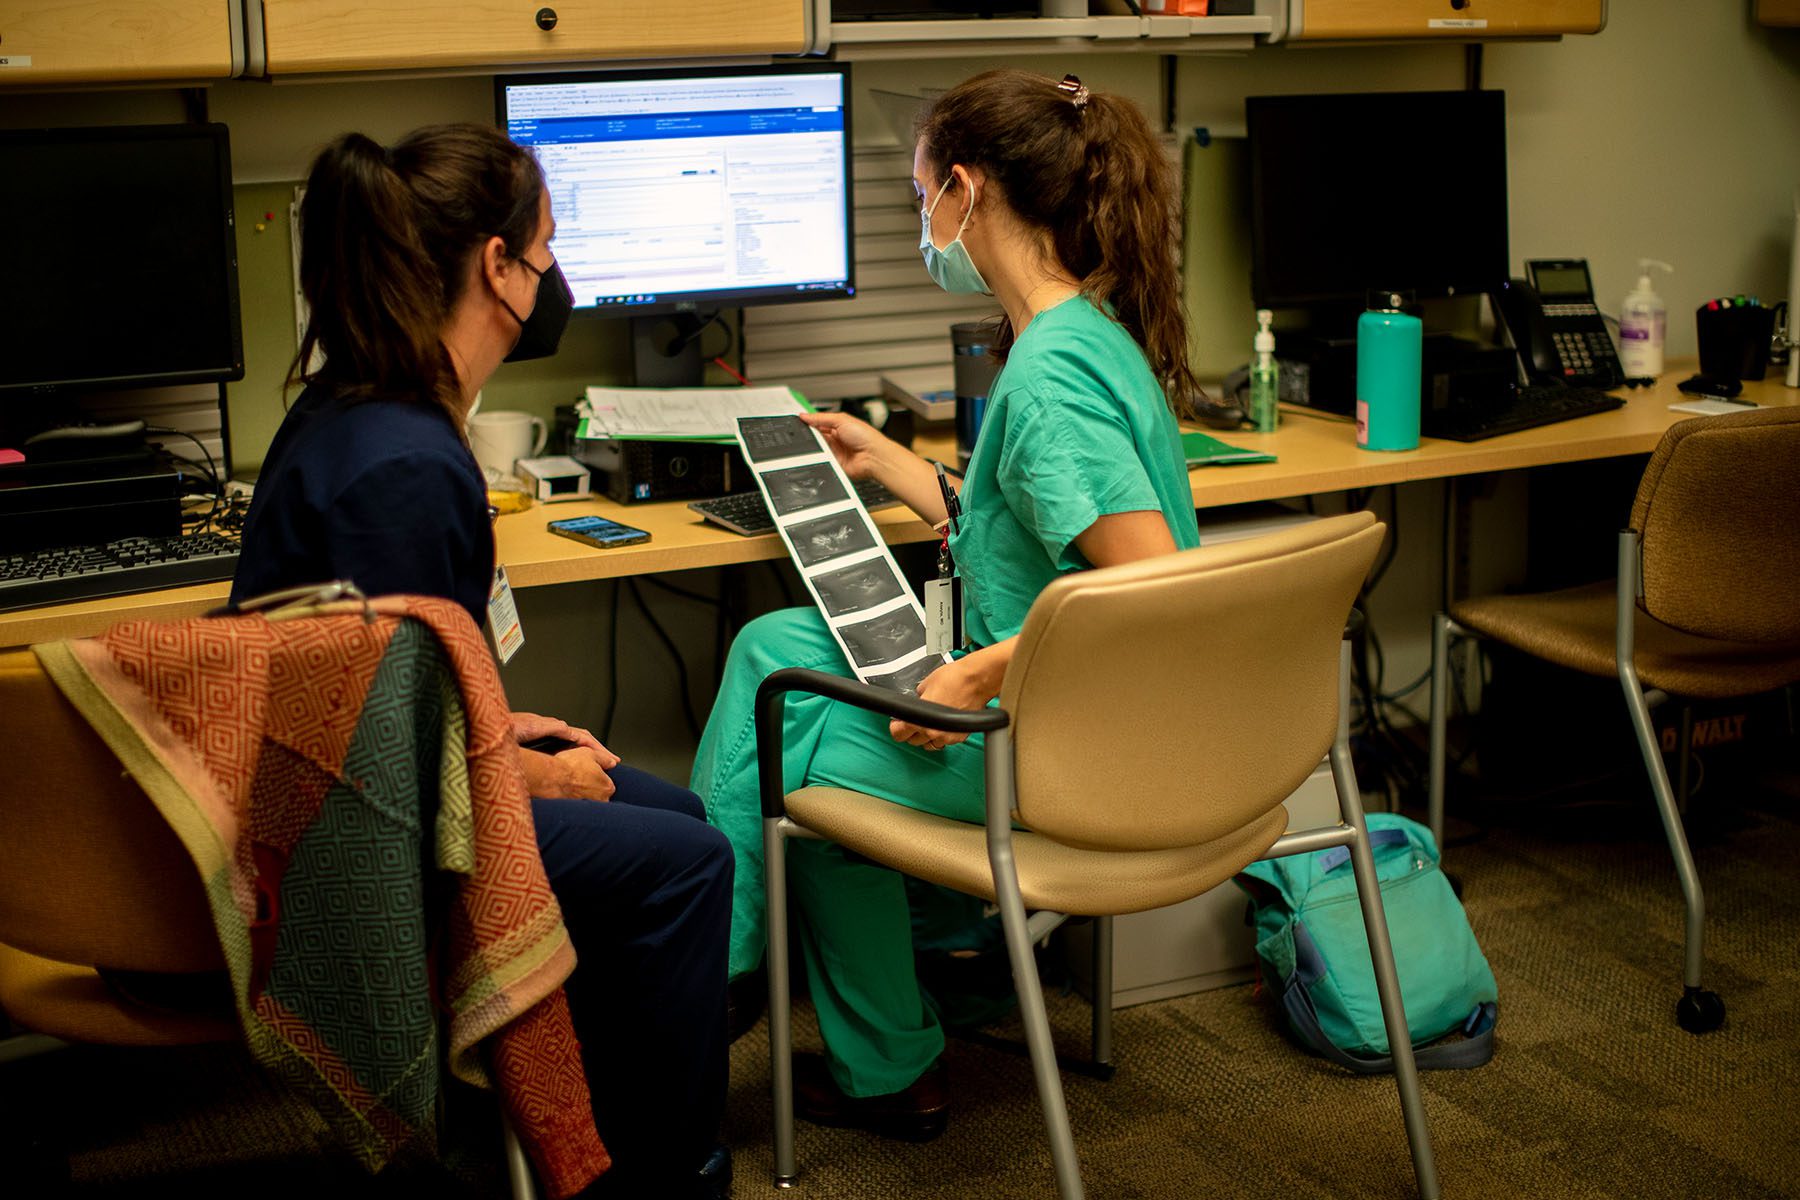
<point>1075,90</point>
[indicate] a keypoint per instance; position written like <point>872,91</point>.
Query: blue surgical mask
<point>951,268</point>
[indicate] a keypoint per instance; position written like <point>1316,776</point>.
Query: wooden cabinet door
<point>1778,12</point>
<point>370,35</point>
<point>116,41</point>
<point>1354,20</point>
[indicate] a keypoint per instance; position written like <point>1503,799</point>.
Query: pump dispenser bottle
<point>1265,391</point>
<point>1643,324</point>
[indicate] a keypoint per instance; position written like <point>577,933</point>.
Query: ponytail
<point>386,238</point>
<point>1085,168</point>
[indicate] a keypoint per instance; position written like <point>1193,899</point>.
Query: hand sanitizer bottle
<point>1265,391</point>
<point>1643,323</point>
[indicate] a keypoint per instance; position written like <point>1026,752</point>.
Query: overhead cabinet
<point>1366,20</point>
<point>63,42</point>
<point>312,36</point>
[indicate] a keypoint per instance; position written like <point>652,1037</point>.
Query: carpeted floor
<point>1594,1092</point>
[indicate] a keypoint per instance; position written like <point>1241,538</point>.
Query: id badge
<point>940,615</point>
<point>504,630</point>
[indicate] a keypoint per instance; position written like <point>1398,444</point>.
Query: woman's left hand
<point>529,727</point>
<point>961,683</point>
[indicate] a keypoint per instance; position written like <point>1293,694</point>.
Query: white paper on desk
<point>872,613</point>
<point>1708,407</point>
<point>677,413</point>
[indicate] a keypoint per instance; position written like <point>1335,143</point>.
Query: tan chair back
<point>1718,515</point>
<point>1168,702</point>
<point>90,873</point>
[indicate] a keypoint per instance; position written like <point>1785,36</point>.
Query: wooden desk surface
<point>1316,455</point>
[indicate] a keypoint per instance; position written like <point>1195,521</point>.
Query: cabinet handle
<point>546,19</point>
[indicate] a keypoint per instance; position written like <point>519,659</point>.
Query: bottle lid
<point>1265,337</point>
<point>1384,300</point>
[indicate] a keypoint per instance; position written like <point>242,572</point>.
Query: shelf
<point>1024,35</point>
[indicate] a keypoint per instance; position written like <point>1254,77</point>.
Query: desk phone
<point>1557,327</point>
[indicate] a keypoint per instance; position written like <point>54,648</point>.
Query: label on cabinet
<point>1457,23</point>
<point>14,60</point>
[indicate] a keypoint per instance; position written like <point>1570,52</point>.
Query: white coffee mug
<point>501,438</point>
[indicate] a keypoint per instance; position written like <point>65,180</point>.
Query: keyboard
<point>1531,407</point>
<point>745,512</point>
<point>134,564</point>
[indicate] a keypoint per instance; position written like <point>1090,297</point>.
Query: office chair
<point>1211,678</point>
<point>92,878</point>
<point>1703,606</point>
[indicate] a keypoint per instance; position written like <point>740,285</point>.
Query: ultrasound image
<point>885,638</point>
<point>769,438</point>
<point>853,588</point>
<point>907,679</point>
<point>794,488</point>
<point>825,538</point>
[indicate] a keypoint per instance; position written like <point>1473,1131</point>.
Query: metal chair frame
<point>1022,929</point>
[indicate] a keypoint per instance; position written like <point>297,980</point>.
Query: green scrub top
<point>1076,428</point>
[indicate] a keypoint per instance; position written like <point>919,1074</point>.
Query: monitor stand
<point>665,351</point>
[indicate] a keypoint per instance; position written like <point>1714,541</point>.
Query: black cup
<point>1734,342</point>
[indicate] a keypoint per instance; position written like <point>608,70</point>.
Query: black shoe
<point>745,999</point>
<point>916,1113</point>
<point>715,1176</point>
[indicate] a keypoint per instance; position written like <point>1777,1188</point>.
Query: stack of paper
<point>680,414</point>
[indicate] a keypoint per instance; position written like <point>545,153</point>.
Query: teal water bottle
<point>1388,346</point>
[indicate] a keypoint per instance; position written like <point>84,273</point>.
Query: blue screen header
<point>659,126</point>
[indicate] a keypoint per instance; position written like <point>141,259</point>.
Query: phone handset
<point>1521,311</point>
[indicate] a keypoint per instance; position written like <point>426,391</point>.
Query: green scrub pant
<point>850,916</point>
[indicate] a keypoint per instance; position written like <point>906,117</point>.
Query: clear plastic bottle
<point>1643,324</point>
<point>1265,389</point>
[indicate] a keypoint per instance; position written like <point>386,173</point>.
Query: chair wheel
<point>1700,1011</point>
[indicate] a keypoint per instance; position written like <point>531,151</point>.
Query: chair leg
<point>781,1031</point>
<point>1103,990</point>
<point>1440,686</point>
<point>1037,1027</point>
<point>1387,979</point>
<point>1699,1010</point>
<point>518,1167</point>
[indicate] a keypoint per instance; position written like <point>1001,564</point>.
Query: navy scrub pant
<point>645,888</point>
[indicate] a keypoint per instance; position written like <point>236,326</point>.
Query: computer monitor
<point>693,190</point>
<point>121,259</point>
<point>1391,190</point>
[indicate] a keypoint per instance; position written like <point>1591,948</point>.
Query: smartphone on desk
<point>599,532</point>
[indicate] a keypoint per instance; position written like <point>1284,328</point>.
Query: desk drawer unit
<point>308,36</point>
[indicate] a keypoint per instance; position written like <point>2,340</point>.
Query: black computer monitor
<point>691,190</point>
<point>120,259</point>
<point>1391,190</point>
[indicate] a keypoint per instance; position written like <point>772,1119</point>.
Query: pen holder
<point>1734,342</point>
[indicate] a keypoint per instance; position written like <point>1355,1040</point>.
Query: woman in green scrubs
<point>1060,203</point>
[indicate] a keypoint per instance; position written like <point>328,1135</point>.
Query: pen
<point>952,509</point>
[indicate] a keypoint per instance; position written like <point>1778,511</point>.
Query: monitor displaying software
<point>1392,190</point>
<point>121,258</point>
<point>684,190</point>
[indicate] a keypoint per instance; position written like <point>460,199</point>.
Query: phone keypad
<point>1583,352</point>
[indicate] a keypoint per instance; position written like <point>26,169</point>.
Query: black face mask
<point>543,329</point>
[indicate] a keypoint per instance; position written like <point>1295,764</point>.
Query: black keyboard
<point>745,512</point>
<point>1531,407</point>
<point>135,564</point>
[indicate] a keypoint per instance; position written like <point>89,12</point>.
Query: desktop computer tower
<point>88,501</point>
<point>633,472</point>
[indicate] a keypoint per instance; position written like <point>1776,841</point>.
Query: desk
<point>1316,454</point>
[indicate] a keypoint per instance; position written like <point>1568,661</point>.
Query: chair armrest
<point>772,693</point>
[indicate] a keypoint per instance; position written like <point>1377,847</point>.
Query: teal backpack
<point>1315,959</point>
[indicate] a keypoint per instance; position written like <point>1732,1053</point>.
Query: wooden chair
<point>1703,605</point>
<point>1153,720</point>
<point>92,878</point>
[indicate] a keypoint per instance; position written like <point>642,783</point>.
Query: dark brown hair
<point>1086,167</point>
<point>385,242</point>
